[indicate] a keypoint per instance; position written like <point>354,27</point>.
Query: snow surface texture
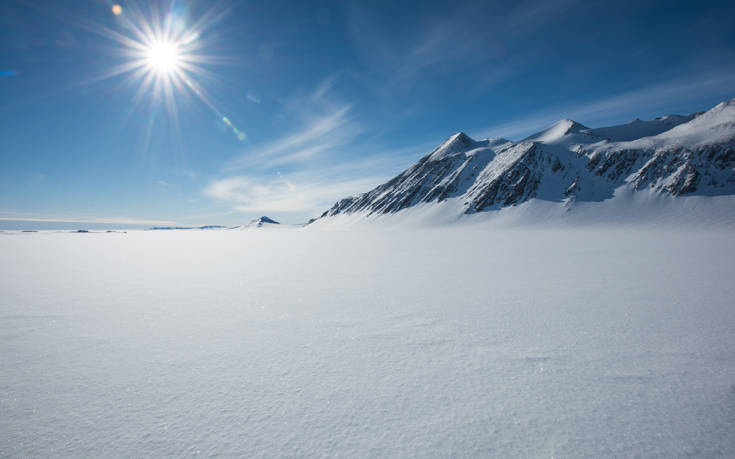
<point>569,165</point>
<point>439,342</point>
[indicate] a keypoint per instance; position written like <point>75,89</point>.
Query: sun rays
<point>166,55</point>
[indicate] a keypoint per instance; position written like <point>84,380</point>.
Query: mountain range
<point>566,164</point>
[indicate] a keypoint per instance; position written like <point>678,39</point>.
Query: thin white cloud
<point>253,97</point>
<point>300,155</point>
<point>323,88</point>
<point>257,194</point>
<point>315,188</point>
<point>322,176</point>
<point>310,192</point>
<point>319,134</point>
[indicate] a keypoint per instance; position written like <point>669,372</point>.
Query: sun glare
<point>163,57</point>
<point>165,50</point>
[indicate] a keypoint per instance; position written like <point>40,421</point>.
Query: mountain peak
<point>456,143</point>
<point>558,130</point>
<point>460,136</point>
<point>258,222</point>
<point>459,140</point>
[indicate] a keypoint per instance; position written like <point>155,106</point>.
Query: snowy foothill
<point>469,341</point>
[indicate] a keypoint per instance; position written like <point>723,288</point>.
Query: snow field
<point>468,341</point>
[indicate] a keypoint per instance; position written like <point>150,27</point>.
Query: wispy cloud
<point>318,134</point>
<point>657,97</point>
<point>324,87</point>
<point>309,192</point>
<point>282,195</point>
<point>253,97</point>
<point>317,168</point>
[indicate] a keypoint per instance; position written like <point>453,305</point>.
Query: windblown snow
<point>463,341</point>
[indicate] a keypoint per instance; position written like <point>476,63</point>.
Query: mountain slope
<point>566,163</point>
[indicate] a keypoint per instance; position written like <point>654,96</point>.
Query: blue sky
<point>302,103</point>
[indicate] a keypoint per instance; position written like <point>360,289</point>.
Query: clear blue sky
<point>302,103</point>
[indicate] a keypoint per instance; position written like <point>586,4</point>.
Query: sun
<point>164,47</point>
<point>163,57</point>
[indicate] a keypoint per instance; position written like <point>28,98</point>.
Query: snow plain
<point>465,341</point>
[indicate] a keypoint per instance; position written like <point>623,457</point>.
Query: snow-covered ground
<point>466,341</point>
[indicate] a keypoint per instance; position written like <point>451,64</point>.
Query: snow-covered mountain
<point>567,163</point>
<point>261,222</point>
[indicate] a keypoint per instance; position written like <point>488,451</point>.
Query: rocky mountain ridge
<point>675,155</point>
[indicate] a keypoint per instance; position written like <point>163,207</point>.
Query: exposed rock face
<point>675,155</point>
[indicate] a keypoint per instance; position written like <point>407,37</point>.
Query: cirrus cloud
<point>284,195</point>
